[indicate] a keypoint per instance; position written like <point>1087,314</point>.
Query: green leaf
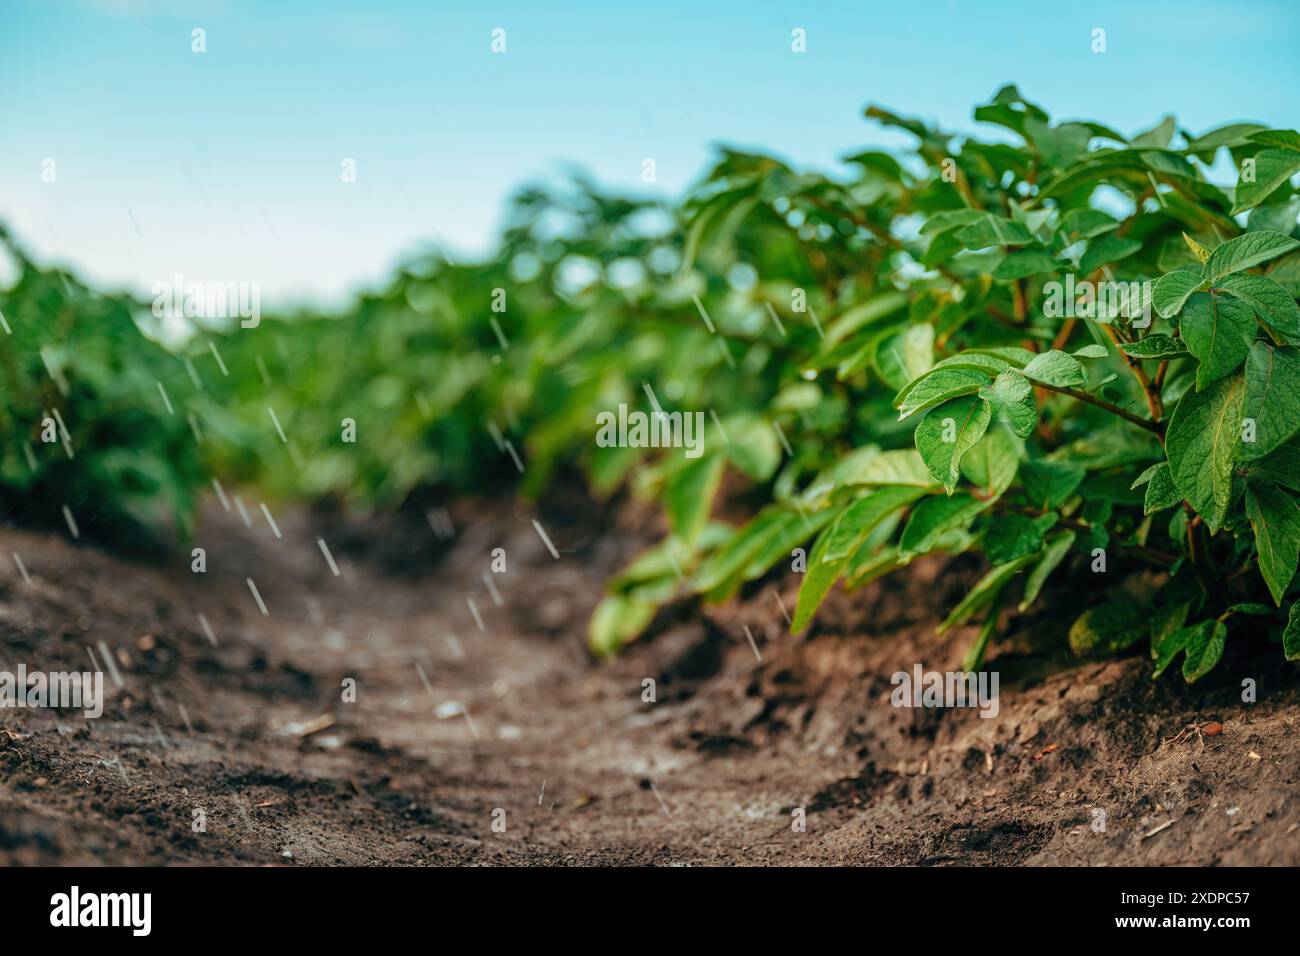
<point>1168,646</point>
<point>1246,251</point>
<point>1275,217</point>
<point>901,466</point>
<point>1058,145</point>
<point>1048,484</point>
<point>1272,303</point>
<point>947,432</point>
<point>1286,272</point>
<point>934,517</point>
<point>991,464</point>
<point>779,545</point>
<point>663,563</point>
<point>1012,398</point>
<point>973,659</point>
<point>903,357</point>
<point>617,621</point>
<point>1203,442</point>
<point>729,559</point>
<point>817,581</point>
<point>1146,476</point>
<point>1056,368</point>
<point>1202,254</point>
<point>1167,164</point>
<point>990,365</point>
<point>1281,138</point>
<point>838,543</point>
<point>1094,351</point>
<point>845,534</point>
<point>1011,354</point>
<point>1011,536</point>
<point>942,247</point>
<point>937,386</point>
<point>1252,608</point>
<point>797,397</point>
<point>652,575</point>
<point>1008,108</point>
<point>914,126</point>
<point>991,230</point>
<point>1158,137</point>
<point>1234,134</point>
<point>1172,291</point>
<point>1157,345</point>
<point>1056,551</point>
<point>1105,249</point>
<point>1204,649</point>
<point>1095,167</point>
<point>1026,262</point>
<point>1167,616</point>
<point>717,221</point>
<point>1273,167</point>
<point>1291,634</point>
<point>1108,628</point>
<point>881,164</point>
<point>1086,223</point>
<point>865,568</point>
<point>753,549</point>
<point>984,591</point>
<point>865,313</point>
<point>752,446</point>
<point>1218,332</point>
<point>950,219</point>
<point>1272,398</point>
<point>1161,493</point>
<point>688,496</point>
<point>1281,468</point>
<point>1275,516</point>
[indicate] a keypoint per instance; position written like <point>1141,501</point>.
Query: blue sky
<point>226,165</point>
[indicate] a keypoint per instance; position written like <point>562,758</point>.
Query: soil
<point>469,713</point>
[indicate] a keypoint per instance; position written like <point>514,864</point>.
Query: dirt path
<point>454,721</point>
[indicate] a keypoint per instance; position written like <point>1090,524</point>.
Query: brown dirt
<point>586,772</point>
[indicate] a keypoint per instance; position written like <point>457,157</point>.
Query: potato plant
<point>474,377</point>
<point>1073,346</point>
<point>94,417</point>
<point>1059,347</point>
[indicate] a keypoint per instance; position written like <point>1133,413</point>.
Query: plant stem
<point>1196,553</point>
<point>1159,380</point>
<point>1154,403</point>
<point>1018,301</point>
<point>1154,555</point>
<point>1063,336</point>
<point>1152,426</point>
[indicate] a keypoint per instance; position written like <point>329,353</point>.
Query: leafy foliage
<point>1095,352</point>
<point>1056,345</point>
<point>84,425</point>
